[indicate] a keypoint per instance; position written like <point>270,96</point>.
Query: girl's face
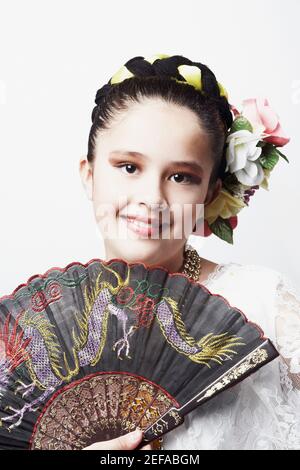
<point>164,177</point>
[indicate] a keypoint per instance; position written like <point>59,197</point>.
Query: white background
<point>55,55</point>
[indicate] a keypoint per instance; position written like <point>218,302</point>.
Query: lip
<point>146,230</point>
<point>146,220</point>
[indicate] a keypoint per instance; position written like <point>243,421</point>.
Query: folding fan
<point>90,352</point>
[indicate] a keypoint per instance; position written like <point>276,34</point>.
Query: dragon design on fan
<point>33,342</point>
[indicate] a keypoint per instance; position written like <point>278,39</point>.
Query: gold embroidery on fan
<point>255,358</point>
<point>213,347</point>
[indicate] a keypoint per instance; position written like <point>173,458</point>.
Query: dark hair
<point>159,80</point>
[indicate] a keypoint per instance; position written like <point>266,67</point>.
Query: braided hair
<point>162,79</point>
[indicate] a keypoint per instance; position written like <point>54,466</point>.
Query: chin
<point>133,251</point>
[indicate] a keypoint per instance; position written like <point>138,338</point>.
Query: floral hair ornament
<point>251,152</point>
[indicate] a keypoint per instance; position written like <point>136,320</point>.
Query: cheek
<point>199,195</point>
<point>190,208</point>
<point>103,198</point>
<point>108,201</point>
<point>185,217</point>
<point>107,184</point>
<point>189,194</point>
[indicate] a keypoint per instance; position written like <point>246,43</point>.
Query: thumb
<point>127,442</point>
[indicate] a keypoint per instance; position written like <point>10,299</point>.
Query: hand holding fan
<point>90,352</point>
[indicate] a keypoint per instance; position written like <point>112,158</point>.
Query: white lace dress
<point>262,411</point>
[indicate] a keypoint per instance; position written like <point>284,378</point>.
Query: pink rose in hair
<point>260,115</point>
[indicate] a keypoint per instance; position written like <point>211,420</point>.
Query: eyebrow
<point>187,164</point>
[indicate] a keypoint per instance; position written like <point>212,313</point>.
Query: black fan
<point>90,352</point>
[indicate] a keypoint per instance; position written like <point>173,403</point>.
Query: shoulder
<point>275,279</point>
<point>249,274</point>
<point>260,273</point>
<point>264,278</point>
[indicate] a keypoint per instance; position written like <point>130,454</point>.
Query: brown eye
<point>129,166</point>
<point>190,179</point>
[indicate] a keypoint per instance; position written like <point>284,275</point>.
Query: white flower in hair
<point>242,156</point>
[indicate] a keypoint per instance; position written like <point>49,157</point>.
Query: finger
<point>127,442</point>
<point>147,447</point>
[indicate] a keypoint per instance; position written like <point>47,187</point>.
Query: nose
<point>152,195</point>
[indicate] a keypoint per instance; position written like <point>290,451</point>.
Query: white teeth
<point>140,224</point>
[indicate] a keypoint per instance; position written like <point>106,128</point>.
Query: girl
<point>164,142</point>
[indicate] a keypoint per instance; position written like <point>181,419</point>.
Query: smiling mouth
<point>143,228</point>
<point>143,224</point>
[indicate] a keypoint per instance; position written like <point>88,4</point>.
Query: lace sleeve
<point>287,327</point>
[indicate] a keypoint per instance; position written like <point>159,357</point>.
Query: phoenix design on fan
<point>32,341</point>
